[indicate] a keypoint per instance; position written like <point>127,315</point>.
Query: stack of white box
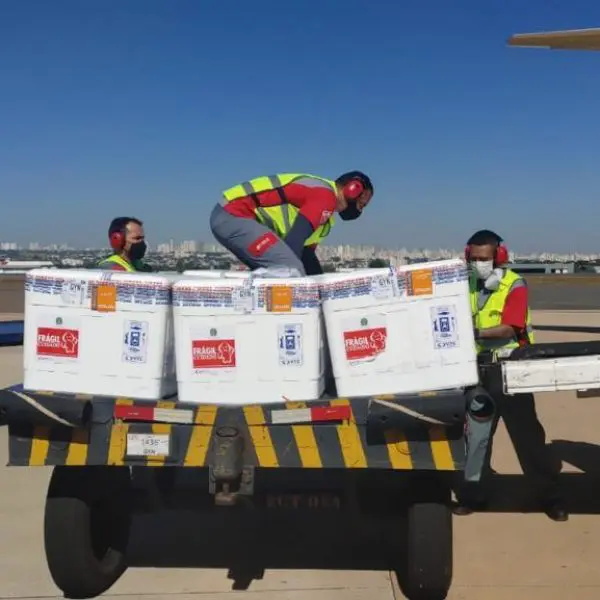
<point>402,330</point>
<point>240,338</point>
<point>98,332</point>
<point>245,340</point>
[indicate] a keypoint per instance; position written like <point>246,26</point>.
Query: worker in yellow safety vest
<point>279,220</point>
<point>502,323</point>
<point>127,239</point>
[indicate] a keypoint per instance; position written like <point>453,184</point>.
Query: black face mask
<point>350,213</point>
<point>137,251</point>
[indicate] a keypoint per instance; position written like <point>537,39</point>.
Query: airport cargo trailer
<point>112,457</point>
<point>231,354</point>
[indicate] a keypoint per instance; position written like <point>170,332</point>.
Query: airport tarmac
<point>507,552</point>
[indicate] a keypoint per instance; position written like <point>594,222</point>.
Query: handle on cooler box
<point>414,415</point>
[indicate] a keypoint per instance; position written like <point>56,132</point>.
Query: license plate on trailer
<point>147,444</point>
<point>318,501</point>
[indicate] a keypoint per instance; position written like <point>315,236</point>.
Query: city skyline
<point>344,251</point>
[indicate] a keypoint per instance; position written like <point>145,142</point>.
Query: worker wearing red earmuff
<point>126,238</point>
<point>501,316</point>
<point>279,220</point>
<point>499,297</point>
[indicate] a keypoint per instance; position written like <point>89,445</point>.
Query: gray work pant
<point>526,433</point>
<point>251,242</point>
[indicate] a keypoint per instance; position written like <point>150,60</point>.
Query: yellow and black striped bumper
<point>316,446</point>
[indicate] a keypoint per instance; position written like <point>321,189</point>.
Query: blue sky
<point>151,108</point>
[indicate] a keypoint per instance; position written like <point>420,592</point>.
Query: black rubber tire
<point>86,528</point>
<point>429,551</point>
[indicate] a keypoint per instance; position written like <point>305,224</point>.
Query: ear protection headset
<point>117,240</point>
<point>353,189</point>
<point>500,256</point>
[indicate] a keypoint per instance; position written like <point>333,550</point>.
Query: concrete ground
<point>507,552</point>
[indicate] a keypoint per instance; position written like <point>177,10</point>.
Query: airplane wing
<point>573,39</point>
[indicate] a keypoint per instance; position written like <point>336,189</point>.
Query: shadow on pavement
<point>515,494</point>
<point>582,455</point>
<point>246,544</point>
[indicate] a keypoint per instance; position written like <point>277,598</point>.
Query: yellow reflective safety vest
<point>280,218</point>
<point>487,307</point>
<point>119,260</point>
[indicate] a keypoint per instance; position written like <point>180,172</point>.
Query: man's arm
<point>311,262</point>
<point>301,230</point>
<point>514,316</point>
<point>316,205</point>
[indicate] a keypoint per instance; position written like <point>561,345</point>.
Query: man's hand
<point>498,332</point>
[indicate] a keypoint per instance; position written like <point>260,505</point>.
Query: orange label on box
<point>279,298</point>
<point>421,282</point>
<point>105,298</point>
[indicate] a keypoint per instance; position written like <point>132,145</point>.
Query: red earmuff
<point>353,189</point>
<point>117,240</point>
<point>501,256</point>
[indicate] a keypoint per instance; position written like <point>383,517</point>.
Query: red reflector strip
<point>318,414</point>
<point>152,414</point>
<point>134,413</point>
<point>331,413</point>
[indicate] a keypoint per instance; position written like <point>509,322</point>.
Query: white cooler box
<point>243,341</point>
<point>205,273</point>
<point>99,332</point>
<point>400,330</point>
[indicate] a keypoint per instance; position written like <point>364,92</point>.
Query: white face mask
<point>483,269</point>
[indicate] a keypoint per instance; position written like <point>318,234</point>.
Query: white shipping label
<point>147,444</point>
<point>384,287</point>
<point>244,297</point>
<point>444,327</point>
<point>135,342</point>
<point>74,293</point>
<point>290,345</point>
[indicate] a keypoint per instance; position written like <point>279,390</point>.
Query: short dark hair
<point>350,175</point>
<point>119,224</point>
<point>484,237</point>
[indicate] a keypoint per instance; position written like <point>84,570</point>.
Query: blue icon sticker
<point>135,342</point>
<point>290,345</point>
<point>444,327</point>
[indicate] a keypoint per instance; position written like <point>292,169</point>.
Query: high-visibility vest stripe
<point>115,258</point>
<point>280,218</point>
<point>487,308</point>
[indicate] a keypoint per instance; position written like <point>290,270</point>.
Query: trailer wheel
<point>426,573</point>
<point>86,528</point>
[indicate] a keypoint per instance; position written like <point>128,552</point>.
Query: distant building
<point>548,268</point>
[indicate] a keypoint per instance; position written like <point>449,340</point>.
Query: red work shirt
<point>315,203</point>
<point>515,311</point>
